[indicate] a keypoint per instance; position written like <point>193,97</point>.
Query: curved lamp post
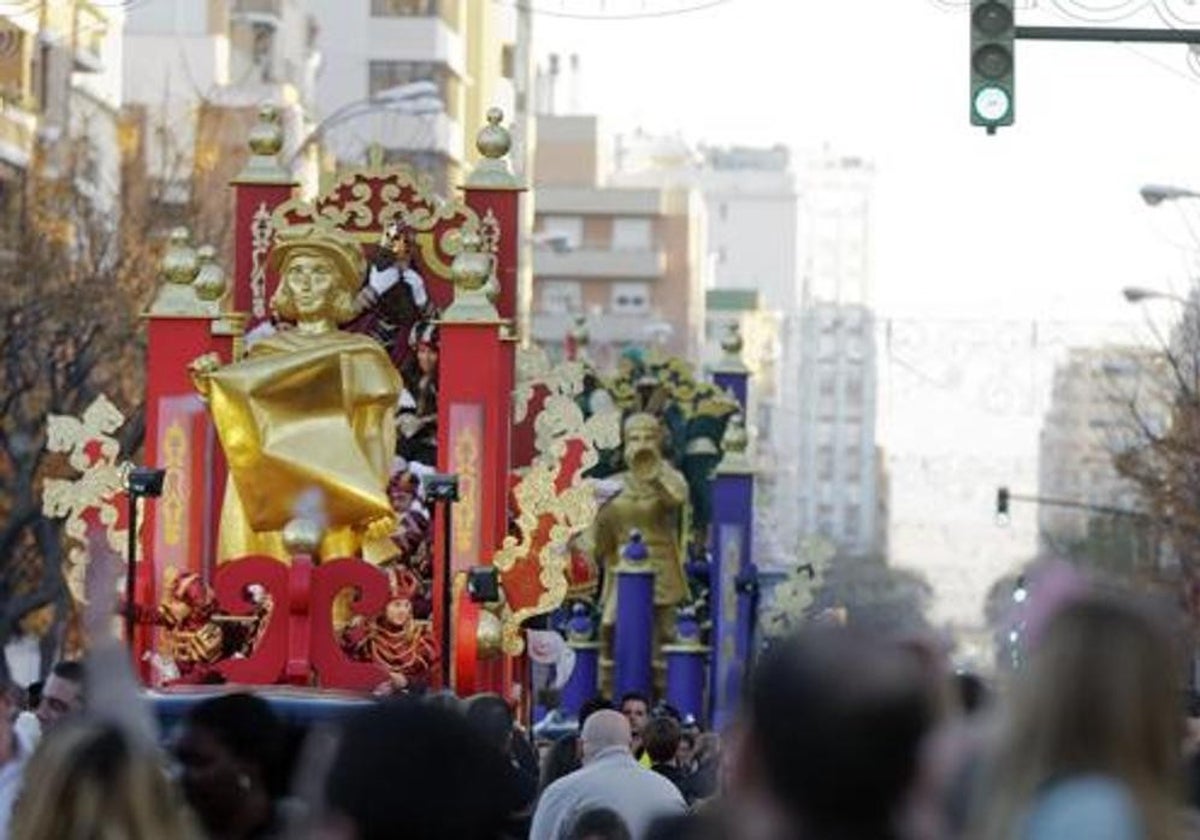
<point>417,98</point>
<point>1155,194</point>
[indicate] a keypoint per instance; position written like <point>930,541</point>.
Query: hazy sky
<point>974,237</point>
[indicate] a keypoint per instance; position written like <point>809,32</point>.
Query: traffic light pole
<point>1003,497</point>
<point>1104,34</point>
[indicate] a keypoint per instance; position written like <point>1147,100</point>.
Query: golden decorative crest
<point>366,199</point>
<point>92,452</point>
<point>556,505</point>
<point>791,597</point>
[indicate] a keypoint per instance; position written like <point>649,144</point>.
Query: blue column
<point>687,661</point>
<point>584,681</point>
<point>731,595</point>
<point>633,633</point>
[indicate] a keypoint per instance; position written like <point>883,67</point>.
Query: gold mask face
<point>310,279</point>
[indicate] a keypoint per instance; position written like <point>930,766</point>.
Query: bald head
<point>603,729</point>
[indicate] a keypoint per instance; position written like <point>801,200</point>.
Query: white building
<point>474,53</point>
<point>60,80</point>
<point>752,203</point>
<point>840,478</point>
<point>752,210</point>
<point>189,63</point>
<point>1088,421</point>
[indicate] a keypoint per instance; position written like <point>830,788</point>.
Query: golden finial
<point>472,276</point>
<point>179,261</point>
<point>489,635</point>
<point>266,142</point>
<point>302,536</point>
<point>493,142</point>
<point>734,444</point>
<point>209,285</point>
<point>735,439</point>
<point>266,138</point>
<point>178,269</point>
<point>731,350</point>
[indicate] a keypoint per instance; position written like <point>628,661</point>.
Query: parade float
<point>355,476</point>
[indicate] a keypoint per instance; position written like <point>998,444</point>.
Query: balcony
<point>607,329</point>
<point>599,263</point>
<point>416,39</point>
<point>615,201</point>
<point>18,129</point>
<point>91,28</point>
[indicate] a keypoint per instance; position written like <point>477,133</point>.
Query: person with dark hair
<point>232,754</point>
<point>418,771</point>
<point>598,824</point>
<point>593,704</point>
<point>561,758</point>
<point>661,740</point>
<point>62,694</point>
<point>492,717</point>
<point>972,692</point>
<point>834,725</point>
<point>636,708</point>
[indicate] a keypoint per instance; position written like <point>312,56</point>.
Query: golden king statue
<point>651,502</point>
<point>307,418</point>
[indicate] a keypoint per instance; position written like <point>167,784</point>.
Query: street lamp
<point>1140,294</point>
<point>1155,194</point>
<point>416,98</point>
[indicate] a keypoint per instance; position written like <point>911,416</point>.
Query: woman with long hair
<point>1090,747</point>
<point>92,781</point>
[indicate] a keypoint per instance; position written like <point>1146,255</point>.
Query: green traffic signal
<point>993,28</point>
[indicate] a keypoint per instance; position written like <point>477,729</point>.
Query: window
<point>385,75</point>
<point>630,298</point>
<point>825,463</point>
<point>560,296</point>
<point>854,390</point>
<point>567,229</point>
<point>631,235</point>
<point>403,8</point>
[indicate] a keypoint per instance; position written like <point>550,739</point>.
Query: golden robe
<point>654,509</point>
<point>305,412</point>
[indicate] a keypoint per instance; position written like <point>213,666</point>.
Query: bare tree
<point>78,269</point>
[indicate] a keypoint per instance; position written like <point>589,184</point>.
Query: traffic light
<point>1002,501</point>
<point>993,27</point>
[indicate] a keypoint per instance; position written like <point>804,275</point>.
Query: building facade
<point>1089,421</point>
<point>632,260</point>
<point>839,476</point>
<point>60,85</point>
<point>475,54</point>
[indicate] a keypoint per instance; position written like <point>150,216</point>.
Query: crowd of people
<point>841,736</point>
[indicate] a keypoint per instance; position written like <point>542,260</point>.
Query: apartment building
<point>195,75</point>
<point>60,89</point>
<point>631,259</point>
<point>1088,422</point>
<point>476,54</point>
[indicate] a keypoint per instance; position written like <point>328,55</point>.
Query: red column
<point>476,378</point>
<point>179,530</point>
<point>260,187</point>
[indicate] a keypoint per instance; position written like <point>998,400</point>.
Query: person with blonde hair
<point>93,780</point>
<point>1090,746</point>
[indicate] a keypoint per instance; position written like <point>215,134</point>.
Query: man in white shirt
<point>610,778</point>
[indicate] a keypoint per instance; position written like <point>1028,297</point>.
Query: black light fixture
<point>140,483</point>
<point>483,585</point>
<point>443,487</point>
